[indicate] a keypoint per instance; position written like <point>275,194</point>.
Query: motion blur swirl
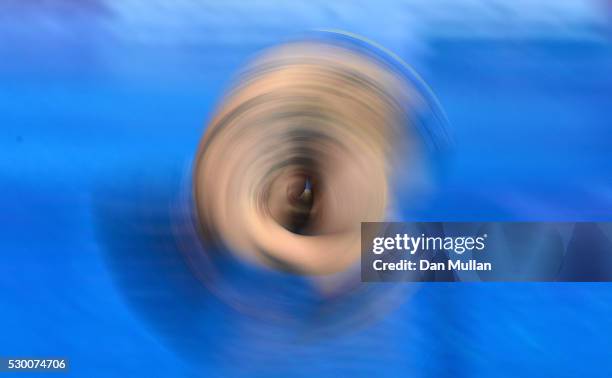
<point>315,137</point>
<point>299,153</point>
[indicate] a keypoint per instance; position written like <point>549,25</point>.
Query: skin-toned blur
<point>299,153</point>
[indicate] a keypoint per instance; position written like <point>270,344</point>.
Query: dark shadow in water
<point>134,228</point>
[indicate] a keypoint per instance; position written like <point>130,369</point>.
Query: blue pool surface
<point>102,104</point>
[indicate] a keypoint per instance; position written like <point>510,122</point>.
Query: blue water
<point>102,104</point>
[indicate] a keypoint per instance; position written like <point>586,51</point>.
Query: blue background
<point>102,104</point>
